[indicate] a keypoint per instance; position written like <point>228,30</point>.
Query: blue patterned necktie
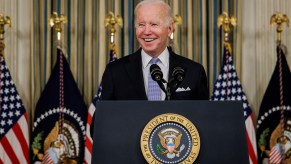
<point>154,91</point>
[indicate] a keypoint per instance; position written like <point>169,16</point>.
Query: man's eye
<point>140,25</point>
<point>154,25</point>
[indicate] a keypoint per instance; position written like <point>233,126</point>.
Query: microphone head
<point>156,72</point>
<point>178,74</point>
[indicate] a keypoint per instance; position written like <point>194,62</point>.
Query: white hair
<point>168,11</point>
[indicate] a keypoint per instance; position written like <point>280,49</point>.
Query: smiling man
<point>129,78</point>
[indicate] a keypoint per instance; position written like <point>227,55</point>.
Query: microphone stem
<point>168,93</point>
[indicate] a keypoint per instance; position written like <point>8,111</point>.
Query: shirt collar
<point>164,58</point>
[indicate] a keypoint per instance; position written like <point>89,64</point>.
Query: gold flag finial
<point>225,21</point>
<point>111,21</point>
<point>178,21</point>
<point>279,19</point>
<point>3,21</point>
<point>57,21</point>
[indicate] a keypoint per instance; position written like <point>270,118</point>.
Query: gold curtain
<point>31,44</point>
<point>85,38</point>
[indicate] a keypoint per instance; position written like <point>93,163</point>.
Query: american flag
<point>276,154</point>
<point>13,121</point>
<point>228,87</point>
<point>92,108</point>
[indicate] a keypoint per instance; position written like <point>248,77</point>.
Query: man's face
<point>152,30</point>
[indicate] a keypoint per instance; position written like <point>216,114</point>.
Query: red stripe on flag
<point>19,134</point>
<point>251,150</point>
<point>89,142</point>
<point>89,145</point>
<point>251,141</point>
<point>9,151</point>
<point>89,119</point>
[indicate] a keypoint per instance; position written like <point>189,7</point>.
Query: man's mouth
<point>148,39</point>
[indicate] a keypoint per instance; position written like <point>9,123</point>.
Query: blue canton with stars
<point>11,104</point>
<point>97,97</point>
<point>228,86</point>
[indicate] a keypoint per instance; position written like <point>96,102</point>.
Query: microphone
<point>178,74</point>
<point>157,75</point>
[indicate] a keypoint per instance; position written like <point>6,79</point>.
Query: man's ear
<point>170,29</point>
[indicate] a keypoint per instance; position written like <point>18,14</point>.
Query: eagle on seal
<point>170,140</point>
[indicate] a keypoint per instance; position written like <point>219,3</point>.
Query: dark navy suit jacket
<point>123,80</point>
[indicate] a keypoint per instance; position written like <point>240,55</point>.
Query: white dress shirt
<point>163,64</point>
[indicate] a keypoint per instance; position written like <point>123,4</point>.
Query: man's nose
<point>147,29</point>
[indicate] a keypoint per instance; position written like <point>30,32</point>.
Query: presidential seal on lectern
<point>170,138</point>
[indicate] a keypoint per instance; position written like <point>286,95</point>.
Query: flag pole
<point>3,21</point>
<point>279,19</point>
<point>15,130</point>
<point>56,21</point>
<point>225,21</point>
<point>177,21</point>
<point>229,88</point>
<point>111,21</point>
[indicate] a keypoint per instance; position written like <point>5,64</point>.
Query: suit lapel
<point>134,70</point>
<point>174,62</point>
